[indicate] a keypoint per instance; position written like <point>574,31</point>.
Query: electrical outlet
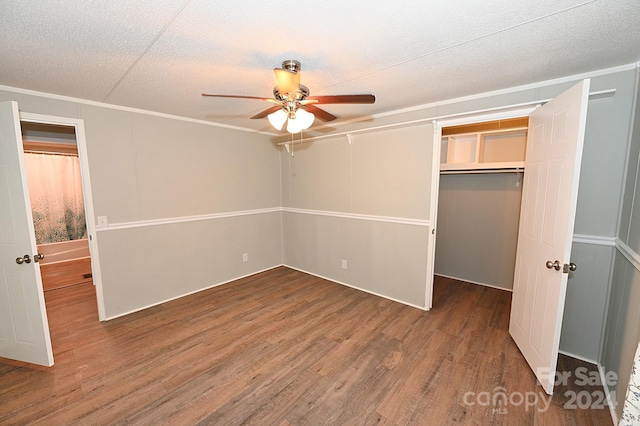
<point>344,264</point>
<point>102,222</point>
<point>245,257</point>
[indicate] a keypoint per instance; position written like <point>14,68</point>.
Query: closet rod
<point>480,171</point>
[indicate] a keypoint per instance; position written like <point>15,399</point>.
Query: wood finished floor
<point>286,348</point>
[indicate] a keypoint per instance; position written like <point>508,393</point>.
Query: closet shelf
<point>485,150</point>
<point>482,171</point>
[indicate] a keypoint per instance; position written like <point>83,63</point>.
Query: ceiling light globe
<point>277,119</point>
<point>294,125</point>
<point>305,118</point>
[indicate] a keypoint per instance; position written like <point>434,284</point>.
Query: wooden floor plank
<point>287,348</point>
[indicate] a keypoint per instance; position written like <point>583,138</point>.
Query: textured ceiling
<point>160,55</point>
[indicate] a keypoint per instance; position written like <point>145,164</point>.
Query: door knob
<point>25,259</point>
<point>570,267</point>
<point>553,265</point>
<point>38,257</point>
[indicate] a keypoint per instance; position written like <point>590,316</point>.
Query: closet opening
<point>57,198</point>
<point>479,197</point>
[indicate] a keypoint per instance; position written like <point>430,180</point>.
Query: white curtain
<point>631,409</point>
<point>55,189</point>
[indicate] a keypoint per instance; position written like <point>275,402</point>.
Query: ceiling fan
<point>292,102</point>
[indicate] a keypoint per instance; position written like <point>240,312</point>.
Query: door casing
<point>78,125</point>
<point>471,118</point>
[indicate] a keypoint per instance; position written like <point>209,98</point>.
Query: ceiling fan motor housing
<point>291,65</point>
<point>302,93</point>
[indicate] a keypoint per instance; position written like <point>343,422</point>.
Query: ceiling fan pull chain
<point>292,146</point>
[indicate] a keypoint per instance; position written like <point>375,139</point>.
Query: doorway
<point>25,331</point>
<point>67,136</point>
<point>553,157</point>
<point>480,190</point>
<point>467,153</point>
<point>57,202</point>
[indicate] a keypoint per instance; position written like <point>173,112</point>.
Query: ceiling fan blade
<point>341,99</point>
<point>236,96</point>
<point>272,100</point>
<point>320,113</point>
<point>288,82</point>
<point>267,111</point>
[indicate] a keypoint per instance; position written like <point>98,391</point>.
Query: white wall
<point>150,175</point>
<point>478,218</point>
<point>586,301</point>
<point>365,202</point>
<point>622,326</point>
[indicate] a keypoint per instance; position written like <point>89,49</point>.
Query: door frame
<point>78,125</point>
<point>471,118</point>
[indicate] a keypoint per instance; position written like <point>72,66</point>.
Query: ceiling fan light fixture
<point>277,118</point>
<point>292,102</point>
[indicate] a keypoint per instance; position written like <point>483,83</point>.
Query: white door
<point>24,329</point>
<point>549,194</point>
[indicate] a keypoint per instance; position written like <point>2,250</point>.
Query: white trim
<point>594,239</point>
<point>358,288</point>
<point>129,109</point>
<point>628,253</point>
<point>474,282</point>
<point>190,293</point>
<point>502,113</point>
<point>254,273</point>
<point>515,89</point>
<point>581,358</point>
<point>634,104</point>
<point>611,400</point>
<point>521,110</point>
<point>172,220</point>
<point>388,219</point>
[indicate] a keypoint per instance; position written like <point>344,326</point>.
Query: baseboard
<point>581,358</point>
<point>190,293</point>
<point>611,402</point>
<point>474,282</point>
<point>258,272</point>
<point>358,288</point>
